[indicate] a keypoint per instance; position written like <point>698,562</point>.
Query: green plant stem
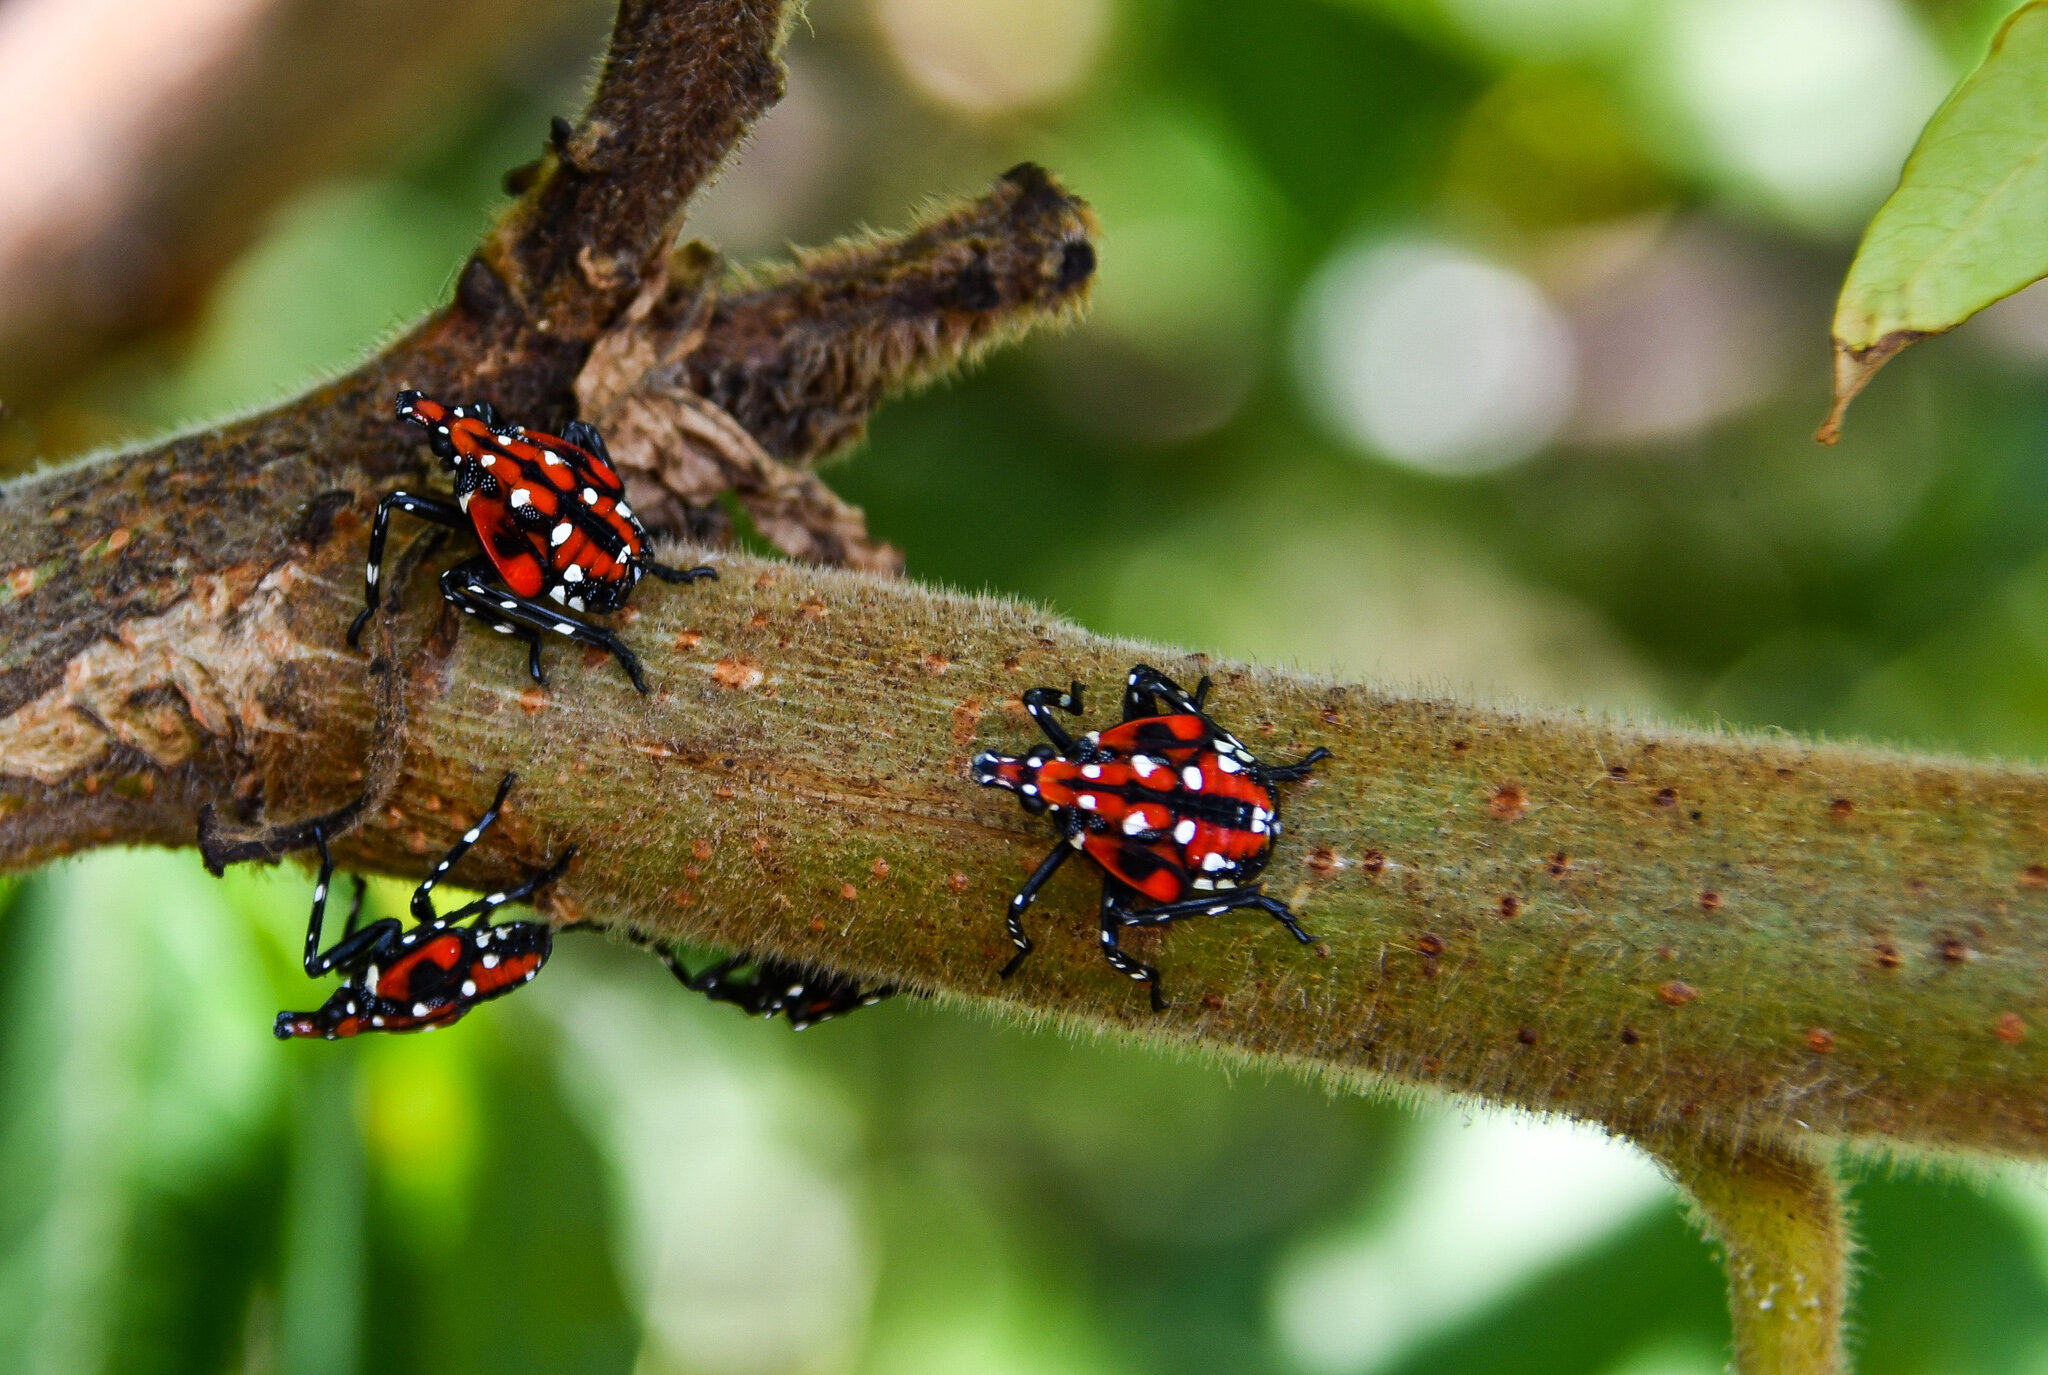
<point>1777,1213</point>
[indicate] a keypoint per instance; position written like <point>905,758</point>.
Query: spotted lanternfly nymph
<point>1174,809</point>
<point>400,979</point>
<point>552,516</point>
<point>777,989</point>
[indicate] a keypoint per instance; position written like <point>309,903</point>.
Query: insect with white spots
<point>1175,810</point>
<point>553,519</point>
<point>396,978</point>
<point>777,989</point>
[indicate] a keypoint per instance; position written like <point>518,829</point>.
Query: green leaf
<point>1968,224</point>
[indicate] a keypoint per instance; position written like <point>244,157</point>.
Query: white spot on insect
<point>560,534</point>
<point>1213,861</point>
<point>502,628</point>
<point>529,976</point>
<point>558,592</point>
<point>463,501</point>
<point>489,962</point>
<point>469,988</point>
<point>520,497</point>
<point>1134,823</point>
<point>1066,699</point>
<point>1093,737</point>
<point>1144,765</point>
<point>469,836</point>
<point>374,1021</point>
<point>1086,801</point>
<point>458,412</point>
<point>1131,681</point>
<point>590,496</point>
<point>351,1009</point>
<point>1029,790</point>
<point>1091,771</point>
<point>1218,910</point>
<point>1184,831</point>
<point>494,899</point>
<point>319,892</point>
<point>419,1009</point>
<point>1203,883</point>
<point>1105,938</point>
<point>564,628</point>
<point>1227,764</point>
<point>1226,883</point>
<point>573,573</point>
<point>370,977</point>
<point>491,461</point>
<point>442,428</point>
<point>408,938</point>
<point>551,458</point>
<point>1077,840</point>
<point>623,509</point>
<point>1191,778</point>
<point>575,603</point>
<point>371,572</point>
<point>508,606</point>
<point>1258,823</point>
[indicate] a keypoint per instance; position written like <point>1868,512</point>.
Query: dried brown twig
<point>1740,952</point>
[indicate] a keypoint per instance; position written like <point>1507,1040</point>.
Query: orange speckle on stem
<point>1508,803</point>
<point>416,841</point>
<point>1887,956</point>
<point>1373,862</point>
<point>880,868</point>
<point>534,700</point>
<point>1677,993</point>
<point>1527,1035</point>
<point>1841,807</point>
<point>817,925</point>
<point>1560,864</point>
<point>2034,876</point>
<point>1667,797</point>
<point>1322,861</point>
<point>1820,1040</point>
<point>118,541</point>
<point>22,581</point>
<point>1710,901</point>
<point>811,609</point>
<point>957,881</point>
<point>1952,949</point>
<point>1617,772</point>
<point>737,674</point>
<point>848,891</point>
<point>1510,906</point>
<point>689,639</point>
<point>935,664</point>
<point>701,849</point>
<point>764,582</point>
<point>1430,944</point>
<point>2009,1028</point>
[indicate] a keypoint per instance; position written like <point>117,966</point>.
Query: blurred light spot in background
<point>1489,1203</point>
<point>2016,327</point>
<point>794,160</point>
<point>1673,1357</point>
<point>987,56</point>
<point>1678,326</point>
<point>1543,30</point>
<point>1399,602</point>
<point>1810,106</point>
<point>1178,327</point>
<point>738,1234</point>
<point>1435,358</point>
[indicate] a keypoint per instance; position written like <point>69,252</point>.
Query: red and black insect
<point>552,516</point>
<point>777,989</point>
<point>1174,809</point>
<point>399,979</point>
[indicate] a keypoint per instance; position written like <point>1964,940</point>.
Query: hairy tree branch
<point>1726,947</point>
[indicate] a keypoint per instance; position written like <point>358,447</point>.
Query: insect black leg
<point>353,942</point>
<point>1216,906</point>
<point>671,574</point>
<point>1146,684</point>
<point>423,896</point>
<point>1040,701</point>
<point>510,614</point>
<point>1025,897</point>
<point>1115,916</point>
<point>1298,770</point>
<point>482,908</point>
<point>426,508</point>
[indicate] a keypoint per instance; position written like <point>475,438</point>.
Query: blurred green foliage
<point>606,1175</point>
